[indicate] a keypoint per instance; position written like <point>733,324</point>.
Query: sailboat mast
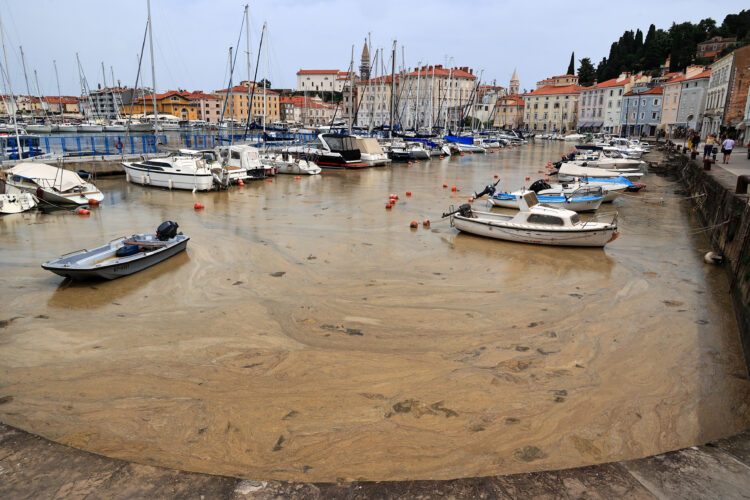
<point>393,88</point>
<point>10,89</point>
<point>25,75</point>
<point>265,76</point>
<point>39,95</point>
<point>416,101</point>
<point>247,49</point>
<point>351,92</point>
<point>59,94</point>
<point>230,95</point>
<point>153,67</point>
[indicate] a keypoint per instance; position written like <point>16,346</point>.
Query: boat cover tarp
<point>461,140</point>
<point>369,145</point>
<point>48,176</point>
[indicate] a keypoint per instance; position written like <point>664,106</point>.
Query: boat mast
<point>57,79</point>
<point>450,89</point>
<point>265,77</point>
<point>247,49</point>
<point>104,82</point>
<point>25,76</point>
<point>39,96</point>
<point>351,92</point>
<point>416,103</point>
<point>230,95</point>
<point>153,69</point>
<point>10,89</point>
<point>118,95</point>
<point>393,88</point>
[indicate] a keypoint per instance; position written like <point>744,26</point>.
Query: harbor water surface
<point>309,334</point>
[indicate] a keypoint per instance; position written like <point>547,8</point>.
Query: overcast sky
<point>192,37</point>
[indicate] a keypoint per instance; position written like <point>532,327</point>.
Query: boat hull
<point>16,203</point>
<point>90,128</point>
<point>169,180</point>
<point>590,204</point>
<point>500,231</point>
<point>119,267</point>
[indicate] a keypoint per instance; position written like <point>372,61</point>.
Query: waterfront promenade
<point>32,467</point>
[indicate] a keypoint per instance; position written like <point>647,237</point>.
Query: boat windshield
<point>575,219</point>
<point>340,143</point>
<point>545,219</point>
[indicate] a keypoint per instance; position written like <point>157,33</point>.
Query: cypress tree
<point>572,65</point>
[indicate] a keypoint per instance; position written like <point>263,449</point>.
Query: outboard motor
<point>166,230</point>
<point>539,186</point>
<point>488,190</point>
<point>464,210</point>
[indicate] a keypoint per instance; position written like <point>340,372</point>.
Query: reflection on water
<point>309,334</point>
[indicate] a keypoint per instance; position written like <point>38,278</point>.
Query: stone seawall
<point>726,217</point>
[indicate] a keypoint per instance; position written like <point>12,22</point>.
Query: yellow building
<point>237,105</point>
<point>509,111</point>
<point>173,103</point>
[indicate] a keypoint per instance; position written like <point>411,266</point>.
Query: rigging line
<point>226,95</point>
<point>252,92</point>
<point>134,95</point>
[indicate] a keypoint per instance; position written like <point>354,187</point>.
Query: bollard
<point>693,155</point>
<point>742,181</point>
<point>707,163</point>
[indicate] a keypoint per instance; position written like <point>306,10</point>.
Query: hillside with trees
<point>633,52</point>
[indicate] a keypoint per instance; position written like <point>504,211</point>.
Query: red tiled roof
<point>383,79</point>
<point>552,90</point>
<point>655,90</point>
<point>66,99</point>
<point>614,82</point>
<point>438,70</point>
<point>243,89</point>
<point>704,74</point>
<point>299,102</point>
<point>318,72</point>
<point>198,94</point>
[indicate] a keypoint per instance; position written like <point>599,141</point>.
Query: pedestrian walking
<point>726,148</point>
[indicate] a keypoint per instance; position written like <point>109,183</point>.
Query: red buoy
<point>93,202</point>
<point>495,176</point>
<point>388,206</point>
<point>445,185</point>
<point>426,223</point>
<point>471,200</point>
<point>463,154</point>
<point>413,224</point>
<point>240,182</point>
<point>546,179</point>
<point>408,193</point>
<point>270,180</point>
<point>539,172</point>
<point>83,211</point>
<point>297,178</point>
<point>442,157</point>
<point>528,178</point>
<point>409,163</point>
<point>197,205</point>
<point>453,188</point>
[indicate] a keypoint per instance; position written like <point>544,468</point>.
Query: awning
<point>583,125</point>
<point>595,124</point>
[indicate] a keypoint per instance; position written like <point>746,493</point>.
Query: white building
<point>716,95</point>
<point>322,80</point>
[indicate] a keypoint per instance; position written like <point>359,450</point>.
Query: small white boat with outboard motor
<point>16,202</point>
<point>285,163</point>
<point>583,199</point>
<point>121,256</point>
<point>569,172</point>
<point>610,190</point>
<point>52,184</point>
<point>535,223</point>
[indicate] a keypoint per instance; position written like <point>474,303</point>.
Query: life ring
<point>118,144</point>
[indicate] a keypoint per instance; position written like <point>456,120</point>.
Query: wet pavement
<point>308,334</point>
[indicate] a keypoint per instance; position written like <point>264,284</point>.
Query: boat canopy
<point>369,145</point>
<point>48,176</point>
<point>461,140</point>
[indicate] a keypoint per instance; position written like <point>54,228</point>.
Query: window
<point>643,115</point>
<point>654,115</point>
<point>619,92</point>
<point>656,101</point>
<point>545,219</point>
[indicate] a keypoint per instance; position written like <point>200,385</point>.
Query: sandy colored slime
<point>308,334</point>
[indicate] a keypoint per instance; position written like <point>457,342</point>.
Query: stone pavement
<point>738,164</point>
<point>33,467</point>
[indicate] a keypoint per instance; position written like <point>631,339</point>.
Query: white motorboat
<point>52,184</point>
<point>173,172</point>
<point>138,126</point>
<point>535,223</point>
<point>89,127</point>
<point>574,137</point>
<point>68,128</point>
<point>584,199</point>
<point>35,128</point>
<point>287,164</point>
<point>569,172</point>
<point>610,190</point>
<point>116,126</point>
<point>16,203</point>
<point>418,152</point>
<point>241,159</point>
<point>470,148</point>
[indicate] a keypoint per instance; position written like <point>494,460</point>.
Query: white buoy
<point>713,258</point>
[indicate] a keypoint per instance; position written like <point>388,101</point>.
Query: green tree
<point>571,66</point>
<point>601,69</point>
<point>586,72</point>
<point>264,84</point>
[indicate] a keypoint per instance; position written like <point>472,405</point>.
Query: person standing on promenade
<point>709,146</point>
<point>726,148</point>
<point>696,141</point>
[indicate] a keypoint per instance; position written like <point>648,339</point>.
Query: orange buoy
<point>546,179</point>
<point>445,185</point>
<point>463,154</point>
<point>453,188</point>
<point>93,202</point>
<point>83,211</point>
<point>197,205</point>
<point>394,196</point>
<point>388,206</point>
<point>442,157</point>
<point>471,152</point>
<point>495,176</point>
<point>528,178</point>
<point>297,178</point>
<point>416,161</point>
<point>240,182</point>
<point>413,224</point>
<point>426,223</point>
<point>471,200</point>
<point>270,180</point>
<point>408,193</point>
<point>409,163</point>
<point>539,172</point>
